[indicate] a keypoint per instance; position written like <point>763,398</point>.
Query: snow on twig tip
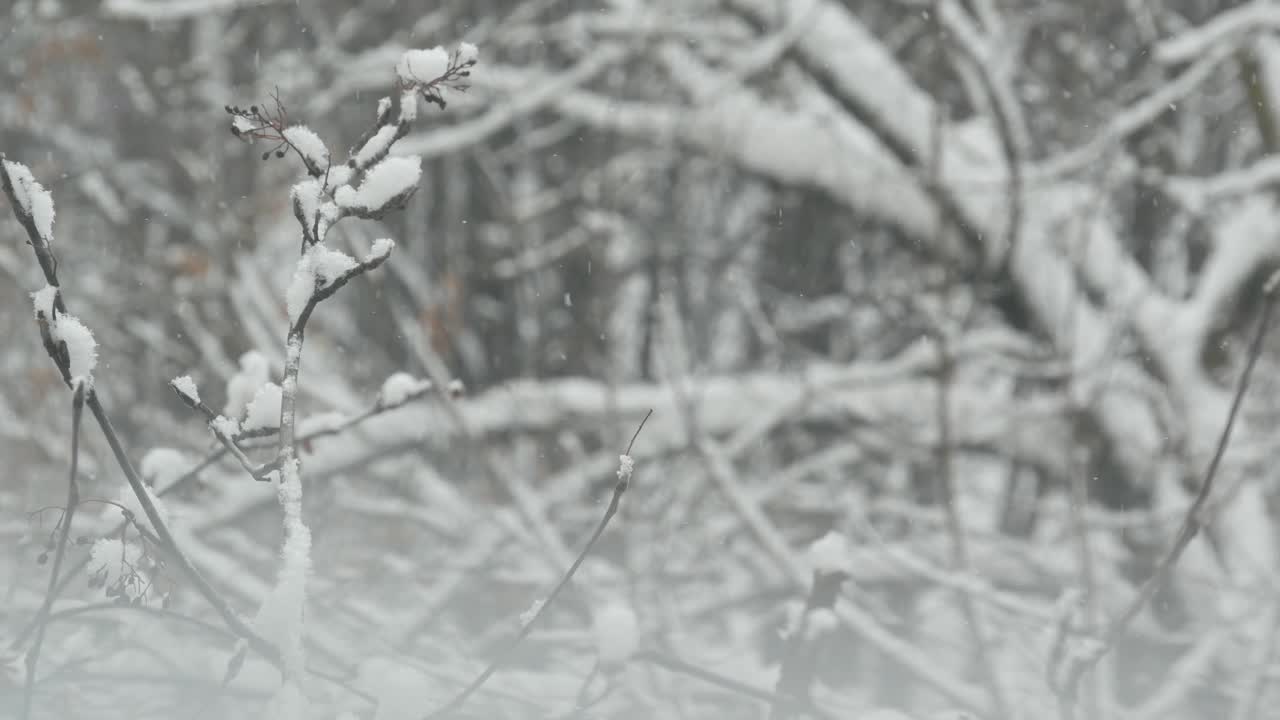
<point>186,387</point>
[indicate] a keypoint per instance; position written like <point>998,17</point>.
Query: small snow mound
<point>187,387</point>
<point>226,426</point>
<point>422,66</point>
<point>82,349</point>
<point>264,408</point>
<point>301,287</point>
<point>830,553</point>
<point>389,180</point>
<point>163,467</point>
<point>110,559</point>
<point>400,387</point>
<point>33,199</point>
<point>44,299</point>
<point>382,247</point>
<point>309,144</point>
<point>467,52</point>
<point>330,265</point>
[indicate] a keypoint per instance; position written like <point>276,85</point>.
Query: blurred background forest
<point>969,282</point>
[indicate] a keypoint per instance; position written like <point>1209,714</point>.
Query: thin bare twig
<point>60,552</point>
<point>619,489</point>
<point>1195,519</point>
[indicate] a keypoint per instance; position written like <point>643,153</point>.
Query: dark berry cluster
<point>255,123</point>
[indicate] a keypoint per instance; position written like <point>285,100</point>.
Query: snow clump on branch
<point>34,200</point>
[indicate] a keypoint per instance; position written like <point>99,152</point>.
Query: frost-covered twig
<point>33,207</point>
<point>625,470</point>
<point>60,551</point>
<point>1196,516</point>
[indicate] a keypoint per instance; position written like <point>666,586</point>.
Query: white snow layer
<point>386,181</point>
<point>82,349</point>
<point>830,554</point>
<point>408,105</point>
<point>44,299</point>
<point>187,387</point>
<point>377,146</point>
<point>329,265</point>
<point>255,371</point>
<point>422,66</point>
<point>318,268</point>
<point>399,387</point>
<point>309,144</point>
<point>264,408</point>
<point>32,198</point>
<point>225,426</point>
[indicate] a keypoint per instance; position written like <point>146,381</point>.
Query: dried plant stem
<point>60,551</point>
<point>619,489</point>
<point>1195,518</point>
